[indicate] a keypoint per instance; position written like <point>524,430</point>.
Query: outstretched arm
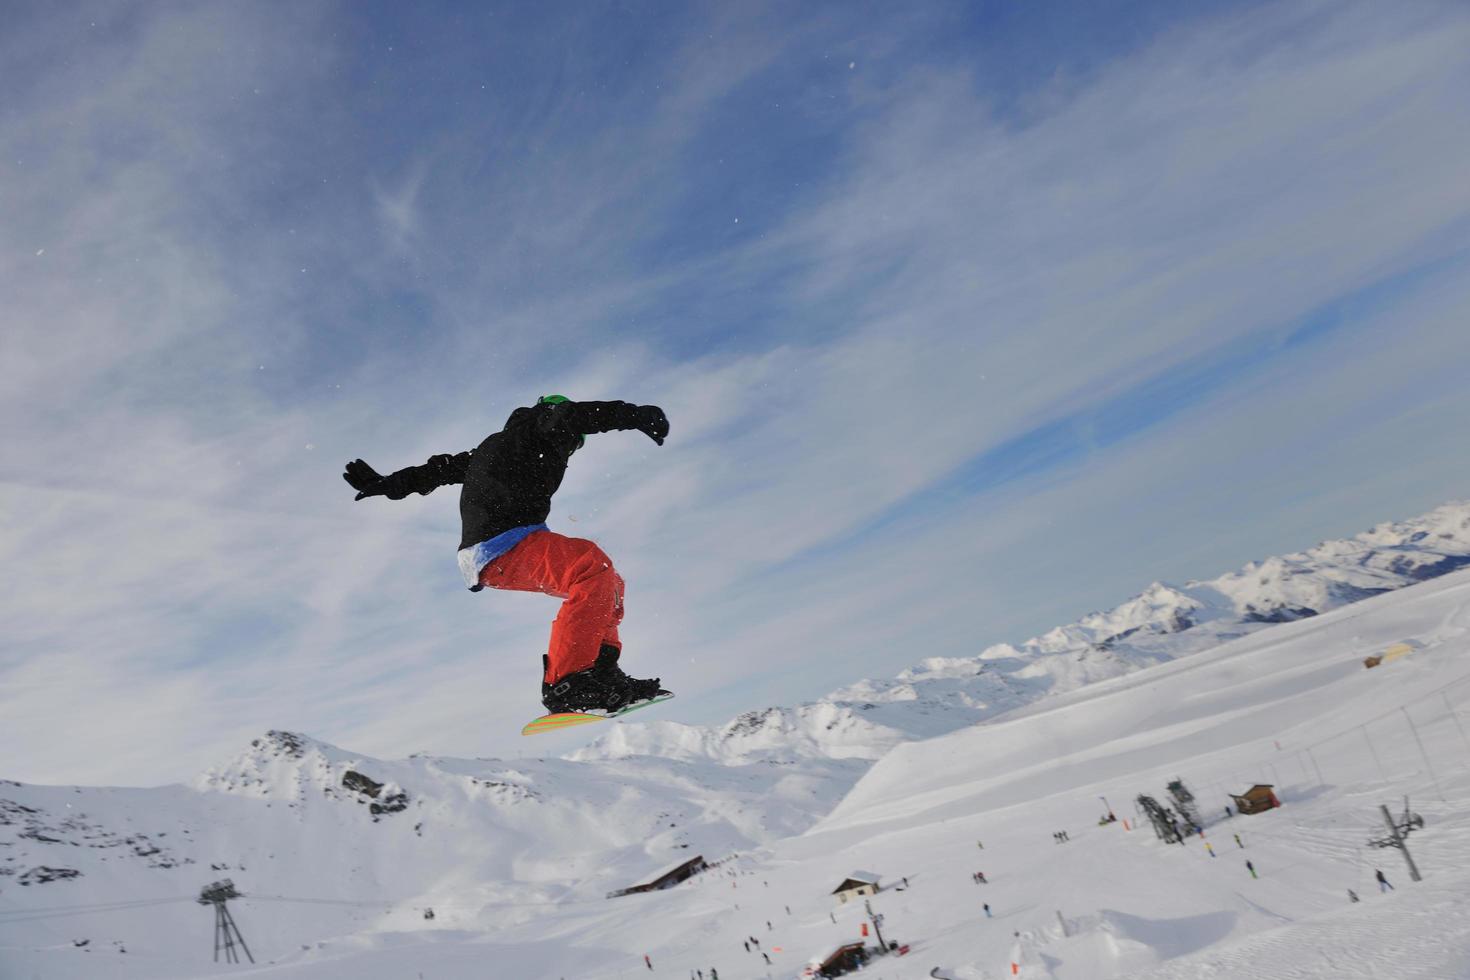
<point>589,418</point>
<point>437,472</point>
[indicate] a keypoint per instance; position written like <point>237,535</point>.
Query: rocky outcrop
<point>44,875</point>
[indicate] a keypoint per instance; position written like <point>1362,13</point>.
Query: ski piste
<point>569,719</point>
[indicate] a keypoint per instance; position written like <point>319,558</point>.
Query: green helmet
<point>558,400</point>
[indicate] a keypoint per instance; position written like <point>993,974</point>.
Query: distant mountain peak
<point>293,767</point>
<point>289,744</point>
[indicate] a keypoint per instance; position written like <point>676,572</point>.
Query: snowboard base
<point>570,719</point>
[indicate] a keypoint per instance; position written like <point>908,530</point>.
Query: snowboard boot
<point>602,688</point>
<point>641,690</point>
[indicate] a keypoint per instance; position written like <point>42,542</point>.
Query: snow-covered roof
<point>861,877</point>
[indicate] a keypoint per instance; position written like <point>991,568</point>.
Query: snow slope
<point>515,859</point>
<point>1137,907</point>
<point>1164,622</point>
<point>479,841</point>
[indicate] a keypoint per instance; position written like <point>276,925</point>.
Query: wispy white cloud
<point>399,211</point>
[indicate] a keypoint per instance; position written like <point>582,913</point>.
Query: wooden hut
<point>1258,799</point>
<point>856,885</point>
<point>843,959</point>
<point>668,879</point>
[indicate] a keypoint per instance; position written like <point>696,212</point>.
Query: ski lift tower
<point>225,930</point>
<point>1184,803</point>
<point>1162,819</point>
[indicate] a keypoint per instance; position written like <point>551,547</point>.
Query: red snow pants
<point>576,571</point>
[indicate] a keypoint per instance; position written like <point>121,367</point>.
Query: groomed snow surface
<point>515,859</point>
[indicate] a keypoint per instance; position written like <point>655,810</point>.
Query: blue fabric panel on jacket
<point>476,557</point>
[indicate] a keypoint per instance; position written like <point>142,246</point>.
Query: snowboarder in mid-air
<point>508,481</point>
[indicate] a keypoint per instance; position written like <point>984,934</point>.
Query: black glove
<point>365,480</point>
<point>652,422</point>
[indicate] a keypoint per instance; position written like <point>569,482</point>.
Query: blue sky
<point>968,318</point>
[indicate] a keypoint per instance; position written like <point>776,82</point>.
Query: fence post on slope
<point>1425,756</point>
<point>1320,780</point>
<point>1379,762</point>
<point>1455,715</point>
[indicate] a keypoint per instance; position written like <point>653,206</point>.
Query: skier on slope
<point>508,481</point>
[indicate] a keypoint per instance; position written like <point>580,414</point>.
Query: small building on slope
<point>668,879</point>
<point>1258,799</point>
<point>856,885</point>
<point>1395,652</point>
<point>843,959</point>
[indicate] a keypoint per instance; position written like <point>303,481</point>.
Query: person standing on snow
<point>508,481</point>
<point>1383,885</point>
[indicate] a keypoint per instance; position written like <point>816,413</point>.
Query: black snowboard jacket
<point>510,477</point>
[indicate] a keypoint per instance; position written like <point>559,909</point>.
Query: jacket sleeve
<point>589,418</point>
<point>439,471</point>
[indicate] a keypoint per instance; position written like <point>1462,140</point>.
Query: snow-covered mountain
<point>1164,622</point>
<point>371,844</point>
<point>546,828</point>
<point>342,856</point>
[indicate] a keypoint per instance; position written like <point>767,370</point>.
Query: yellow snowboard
<point>570,719</point>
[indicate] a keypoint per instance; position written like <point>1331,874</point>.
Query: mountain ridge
<point>1161,623</point>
